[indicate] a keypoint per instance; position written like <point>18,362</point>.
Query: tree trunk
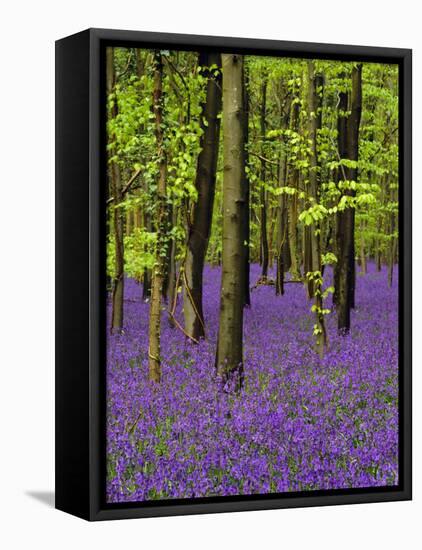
<point>170,279</point>
<point>129,222</point>
<point>307,259</point>
<point>141,62</point>
<point>393,248</point>
<point>229,357</point>
<point>346,219</point>
<point>393,243</point>
<point>282,228</point>
<point>137,217</point>
<point>118,225</point>
<point>315,84</point>
<point>282,236</point>
<point>263,201</point>
<point>378,244</point>
<point>292,203</point>
<point>246,234</point>
<point>161,217</point>
<point>362,249</point>
<point>340,270</point>
<point>200,228</point>
<point>147,276</point>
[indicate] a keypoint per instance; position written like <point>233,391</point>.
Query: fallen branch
<point>135,423</point>
<point>269,281</point>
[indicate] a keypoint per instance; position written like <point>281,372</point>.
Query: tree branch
<point>263,158</point>
<point>128,185</point>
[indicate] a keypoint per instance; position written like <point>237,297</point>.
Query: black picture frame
<point>80,274</point>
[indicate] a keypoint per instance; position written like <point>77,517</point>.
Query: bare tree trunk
<point>391,261</point>
<point>282,228</point>
<point>292,203</point>
<point>116,188</point>
<point>282,247</point>
<point>246,235</point>
<point>129,222</point>
<point>154,351</point>
<point>315,84</point>
<point>147,275</point>
<point>229,357</point>
<point>393,243</point>
<point>340,270</point>
<point>378,245</point>
<point>200,228</point>
<point>263,198</point>
<point>346,226</point>
<point>137,217</point>
<point>141,62</point>
<point>362,249</point>
<point>171,269</point>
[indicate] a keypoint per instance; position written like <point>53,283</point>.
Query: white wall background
<point>27,35</point>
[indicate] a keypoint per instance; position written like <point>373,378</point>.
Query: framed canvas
<point>233,274</point>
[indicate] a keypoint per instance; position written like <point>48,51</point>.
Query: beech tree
<point>154,351</point>
<point>346,218</point>
<point>229,357</point>
<point>263,195</point>
<point>200,226</point>
<point>314,276</point>
<point>117,215</point>
<point>246,185</point>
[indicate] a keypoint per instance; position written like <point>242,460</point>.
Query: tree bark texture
<point>200,228</point>
<point>229,358</point>
<point>315,85</point>
<point>161,216</point>
<point>263,197</point>
<point>293,202</point>
<point>348,148</point>
<point>246,234</point>
<point>118,223</point>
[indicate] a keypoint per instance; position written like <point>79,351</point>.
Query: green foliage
<point>279,163</point>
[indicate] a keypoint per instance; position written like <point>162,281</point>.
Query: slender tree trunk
<point>200,228</point>
<point>282,228</point>
<point>393,244</point>
<point>346,219</point>
<point>167,267</point>
<point>292,203</point>
<point>282,242</point>
<point>171,269</point>
<point>246,234</point>
<point>229,357</point>
<point>315,85</point>
<point>272,236</point>
<point>378,243</point>
<point>137,217</point>
<point>129,221</point>
<point>263,201</point>
<point>353,125</point>
<point>116,188</point>
<point>154,362</point>
<point>147,275</point>
<point>340,270</point>
<point>307,259</point>
<point>141,62</point>
<point>362,249</point>
<point>393,250</point>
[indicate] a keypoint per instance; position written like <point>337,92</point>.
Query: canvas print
<point>252,255</point>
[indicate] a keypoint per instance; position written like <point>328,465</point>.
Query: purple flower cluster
<point>300,423</point>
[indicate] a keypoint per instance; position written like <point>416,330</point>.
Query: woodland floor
<point>300,423</point>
